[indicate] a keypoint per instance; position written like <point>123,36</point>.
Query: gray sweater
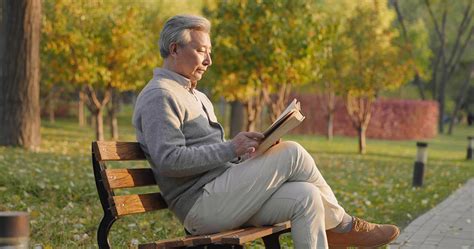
<point>182,140</point>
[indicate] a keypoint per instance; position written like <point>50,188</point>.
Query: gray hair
<point>177,29</point>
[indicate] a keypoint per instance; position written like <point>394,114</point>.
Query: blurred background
<point>373,77</point>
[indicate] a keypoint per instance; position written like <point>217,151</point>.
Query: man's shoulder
<point>164,84</point>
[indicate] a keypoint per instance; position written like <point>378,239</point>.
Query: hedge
<point>391,118</point>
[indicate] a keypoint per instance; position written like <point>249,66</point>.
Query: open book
<point>288,119</point>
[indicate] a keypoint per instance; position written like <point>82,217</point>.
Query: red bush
<point>391,119</point>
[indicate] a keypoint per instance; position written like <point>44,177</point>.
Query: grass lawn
<point>56,185</point>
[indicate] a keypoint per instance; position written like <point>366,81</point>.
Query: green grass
<point>56,185</point>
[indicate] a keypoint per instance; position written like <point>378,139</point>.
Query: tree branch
<point>93,96</point>
<point>400,18</point>
<point>458,57</point>
<point>438,31</point>
<point>462,28</point>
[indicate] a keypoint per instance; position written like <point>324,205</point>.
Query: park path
<point>449,225</point>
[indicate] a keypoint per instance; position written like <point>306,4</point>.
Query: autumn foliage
<point>391,119</point>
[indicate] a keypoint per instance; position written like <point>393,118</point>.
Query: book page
<point>294,105</point>
<point>293,120</point>
<point>289,119</point>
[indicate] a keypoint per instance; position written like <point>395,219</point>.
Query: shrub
<point>391,118</point>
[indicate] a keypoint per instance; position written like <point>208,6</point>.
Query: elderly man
<point>205,180</point>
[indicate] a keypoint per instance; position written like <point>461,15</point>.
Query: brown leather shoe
<point>363,234</point>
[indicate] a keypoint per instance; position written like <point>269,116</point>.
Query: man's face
<point>192,59</point>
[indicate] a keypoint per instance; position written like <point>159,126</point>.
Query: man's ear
<point>173,49</point>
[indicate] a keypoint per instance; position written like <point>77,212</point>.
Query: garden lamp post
<point>420,162</point>
<point>14,230</point>
<point>470,147</point>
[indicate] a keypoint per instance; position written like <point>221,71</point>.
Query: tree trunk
<point>51,109</point>
<point>330,127</point>
<point>362,144</point>
<point>96,108</point>
<point>99,124</point>
<point>236,118</point>
<point>254,109</point>
<point>359,109</point>
<point>460,100</point>
<point>80,108</point>
<point>251,116</point>
<point>330,108</point>
<point>50,101</point>
<point>417,82</point>
<point>278,102</point>
<point>441,104</point>
<point>113,109</point>
<point>20,22</point>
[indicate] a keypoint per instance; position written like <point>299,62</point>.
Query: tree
<point>447,61</point>
<point>263,51</point>
<point>20,23</point>
<point>104,47</point>
<point>329,80</point>
<point>462,96</point>
<point>416,36</point>
<point>450,27</point>
<point>376,61</point>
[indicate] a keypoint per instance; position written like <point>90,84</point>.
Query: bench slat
<point>254,233</point>
<point>234,237</point>
<point>190,240</point>
<point>158,245</point>
<point>117,151</point>
<point>129,178</point>
<point>213,238</point>
<point>139,203</point>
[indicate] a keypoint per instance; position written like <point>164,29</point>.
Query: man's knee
<point>297,153</point>
<point>292,147</point>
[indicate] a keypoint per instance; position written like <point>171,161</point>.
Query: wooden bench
<point>116,206</point>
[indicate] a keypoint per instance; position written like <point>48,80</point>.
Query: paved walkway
<point>449,225</point>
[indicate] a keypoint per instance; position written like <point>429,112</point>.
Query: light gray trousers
<point>282,184</point>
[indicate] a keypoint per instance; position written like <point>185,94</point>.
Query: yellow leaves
<point>97,43</point>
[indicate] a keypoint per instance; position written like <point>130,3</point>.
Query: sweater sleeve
<point>160,119</point>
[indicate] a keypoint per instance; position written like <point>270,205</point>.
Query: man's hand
<point>246,142</point>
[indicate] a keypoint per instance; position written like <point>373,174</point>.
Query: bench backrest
<point>108,180</point>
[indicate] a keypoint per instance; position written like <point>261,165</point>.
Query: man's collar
<point>185,82</point>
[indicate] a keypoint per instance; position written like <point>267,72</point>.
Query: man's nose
<point>207,61</point>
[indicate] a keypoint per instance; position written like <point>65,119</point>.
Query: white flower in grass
<point>78,226</point>
<point>134,242</point>
<point>76,237</point>
<point>85,236</point>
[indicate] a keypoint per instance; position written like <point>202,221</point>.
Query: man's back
<point>181,139</point>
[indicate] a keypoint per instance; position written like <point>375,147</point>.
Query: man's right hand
<point>246,142</point>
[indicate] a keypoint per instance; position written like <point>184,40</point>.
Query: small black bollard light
<point>419,167</point>
<point>14,230</point>
<point>470,147</point>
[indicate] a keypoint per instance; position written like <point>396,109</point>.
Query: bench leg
<point>272,241</point>
<point>103,231</point>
